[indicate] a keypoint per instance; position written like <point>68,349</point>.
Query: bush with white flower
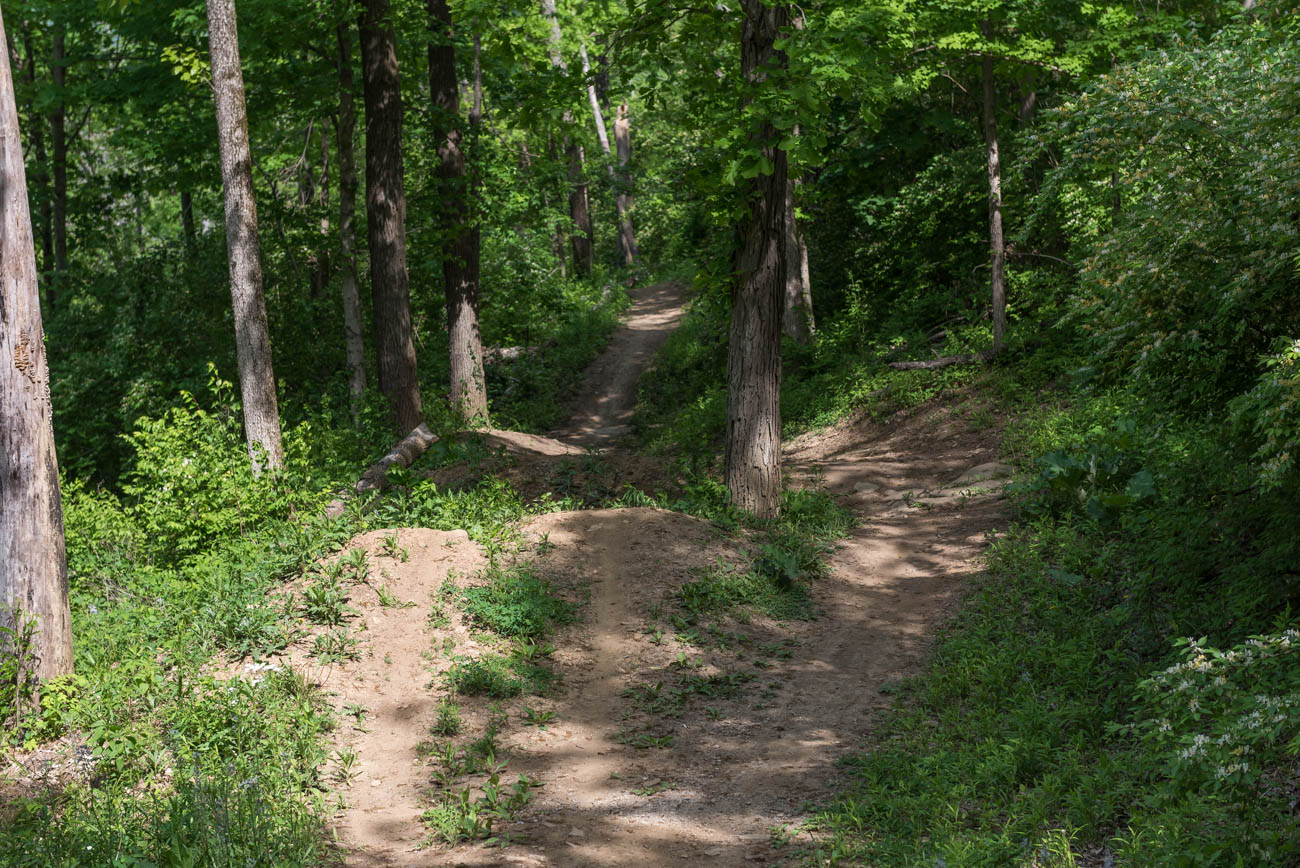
<point>1224,719</point>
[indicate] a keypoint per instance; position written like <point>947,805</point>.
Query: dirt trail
<point>603,408</point>
<point>775,704</point>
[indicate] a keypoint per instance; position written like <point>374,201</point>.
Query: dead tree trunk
<point>753,465</point>
<point>386,217</point>
<point>252,338</point>
<point>626,237</point>
<point>460,231</point>
<point>623,147</point>
<point>352,334</point>
<point>33,567</point>
<point>797,319</point>
<point>996,242</point>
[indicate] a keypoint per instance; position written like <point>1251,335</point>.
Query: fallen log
<point>409,448</point>
<point>931,364</point>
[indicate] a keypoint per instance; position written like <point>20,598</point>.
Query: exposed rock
<point>984,472</point>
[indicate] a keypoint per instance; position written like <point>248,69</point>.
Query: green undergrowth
<point>790,554</point>
<point>1123,679</point>
<point>520,609</point>
<point>180,740</point>
<point>682,398</point>
<point>530,393</point>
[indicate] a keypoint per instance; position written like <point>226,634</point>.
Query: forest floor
<point>666,740</point>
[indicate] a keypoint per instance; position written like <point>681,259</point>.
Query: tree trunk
<point>626,237</point>
<point>33,567</point>
<point>558,235</point>
<point>753,468</point>
<point>797,319</point>
<point>187,221</point>
<point>623,146</point>
<point>252,339</point>
<point>579,202</point>
<point>58,129</point>
<point>996,243</point>
<point>37,133</point>
<point>352,328</point>
<point>459,228</point>
<point>386,217</point>
<point>579,210</point>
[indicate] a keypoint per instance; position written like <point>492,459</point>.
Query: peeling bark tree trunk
<point>579,202</point>
<point>459,229</point>
<point>252,339</point>
<point>58,129</point>
<point>996,243</point>
<point>33,567</point>
<point>753,469</point>
<point>347,227</point>
<point>386,217</point>
<point>626,237</point>
<point>797,319</point>
<point>623,146</point>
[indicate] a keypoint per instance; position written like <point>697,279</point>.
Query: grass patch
<point>515,603</point>
<point>499,677</point>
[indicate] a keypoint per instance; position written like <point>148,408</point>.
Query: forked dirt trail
<point>670,741</point>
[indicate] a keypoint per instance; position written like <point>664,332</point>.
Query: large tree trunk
<point>252,339</point>
<point>579,202</point>
<point>386,217</point>
<point>996,243</point>
<point>58,129</point>
<point>33,568</point>
<point>623,146</point>
<point>753,468</point>
<point>626,237</point>
<point>459,229</point>
<point>352,328</point>
<point>797,320</point>
<point>36,132</point>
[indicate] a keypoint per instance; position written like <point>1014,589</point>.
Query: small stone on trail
<point>716,851</point>
<point>575,832</point>
<point>866,487</point>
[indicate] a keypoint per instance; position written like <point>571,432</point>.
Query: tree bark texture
<point>996,243</point>
<point>623,147</point>
<point>459,229</point>
<point>252,339</point>
<point>753,463</point>
<point>626,237</point>
<point>352,327</point>
<point>33,566</point>
<point>579,201</point>
<point>797,318</point>
<point>386,217</point>
<point>59,142</point>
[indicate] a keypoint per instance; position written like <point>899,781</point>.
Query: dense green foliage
<point>1121,681</point>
